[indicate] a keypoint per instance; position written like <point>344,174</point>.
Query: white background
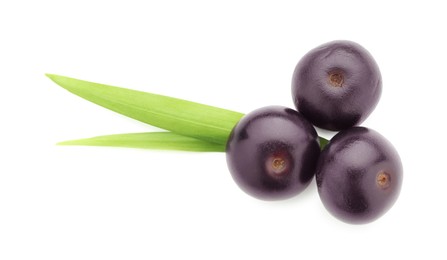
<point>111,203</point>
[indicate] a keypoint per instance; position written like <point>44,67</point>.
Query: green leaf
<point>151,140</point>
<point>183,117</point>
<point>323,142</point>
<point>211,125</point>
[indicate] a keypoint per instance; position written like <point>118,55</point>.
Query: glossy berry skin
<point>336,85</point>
<point>272,153</point>
<point>359,175</point>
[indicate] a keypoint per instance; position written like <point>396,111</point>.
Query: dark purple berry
<point>272,153</point>
<point>359,175</point>
<point>336,85</point>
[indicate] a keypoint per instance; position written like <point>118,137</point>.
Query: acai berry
<point>336,85</point>
<point>272,153</point>
<point>359,175</point>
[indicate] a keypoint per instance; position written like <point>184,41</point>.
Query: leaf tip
<point>50,76</point>
<point>55,78</point>
<point>63,143</point>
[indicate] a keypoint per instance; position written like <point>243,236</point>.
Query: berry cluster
<point>274,152</point>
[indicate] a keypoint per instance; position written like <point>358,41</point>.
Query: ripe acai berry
<point>359,175</point>
<point>336,85</point>
<point>272,153</point>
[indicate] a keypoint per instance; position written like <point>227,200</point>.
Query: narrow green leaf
<point>183,117</point>
<point>323,142</point>
<point>151,140</point>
